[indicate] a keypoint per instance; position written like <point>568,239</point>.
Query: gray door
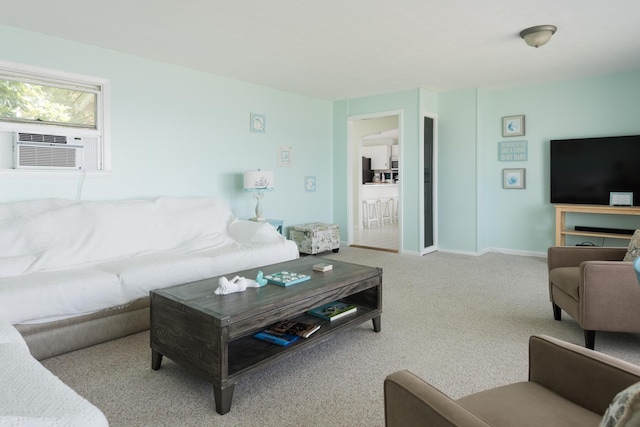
<point>428,182</point>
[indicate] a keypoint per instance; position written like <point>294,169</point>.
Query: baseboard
<point>515,252</point>
<point>454,251</point>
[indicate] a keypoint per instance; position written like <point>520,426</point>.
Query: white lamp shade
<point>258,180</point>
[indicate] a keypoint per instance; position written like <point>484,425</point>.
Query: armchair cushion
<point>567,279</point>
<point>634,247</point>
<point>624,411</point>
<point>520,404</point>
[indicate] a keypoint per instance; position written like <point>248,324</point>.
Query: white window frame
<point>103,116</point>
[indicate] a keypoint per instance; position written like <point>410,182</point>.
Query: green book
<point>334,310</point>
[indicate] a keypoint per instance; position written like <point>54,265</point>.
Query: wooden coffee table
<point>212,334</point>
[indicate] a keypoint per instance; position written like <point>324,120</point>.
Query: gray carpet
<point>460,322</point>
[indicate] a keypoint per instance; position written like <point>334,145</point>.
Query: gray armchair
<point>596,288</point>
<point>568,386</point>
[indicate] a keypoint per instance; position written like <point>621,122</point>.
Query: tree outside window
<point>44,104</point>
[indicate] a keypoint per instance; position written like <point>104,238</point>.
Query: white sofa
<point>76,273</point>
<point>32,396</point>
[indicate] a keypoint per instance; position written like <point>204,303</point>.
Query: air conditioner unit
<point>40,151</point>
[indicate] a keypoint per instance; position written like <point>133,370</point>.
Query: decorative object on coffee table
<point>238,284</point>
<point>286,278</point>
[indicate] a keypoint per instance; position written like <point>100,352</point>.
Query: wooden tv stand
<point>561,225</point>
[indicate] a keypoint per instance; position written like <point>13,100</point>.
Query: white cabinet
<point>379,157</point>
<point>378,191</point>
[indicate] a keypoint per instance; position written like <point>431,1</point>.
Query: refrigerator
<point>367,173</point>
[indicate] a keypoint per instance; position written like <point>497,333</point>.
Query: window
<point>57,108</point>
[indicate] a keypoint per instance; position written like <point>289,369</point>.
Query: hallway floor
<point>385,237</point>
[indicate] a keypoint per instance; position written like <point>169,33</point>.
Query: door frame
<point>354,166</point>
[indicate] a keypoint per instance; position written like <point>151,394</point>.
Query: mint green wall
<point>181,132</point>
<point>524,220</point>
<point>457,171</point>
<point>476,213</point>
<point>409,103</point>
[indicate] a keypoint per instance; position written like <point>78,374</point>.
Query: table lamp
<point>258,182</point>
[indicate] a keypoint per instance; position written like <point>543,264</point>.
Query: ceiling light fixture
<point>539,35</point>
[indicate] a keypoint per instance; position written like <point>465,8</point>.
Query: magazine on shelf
<point>283,340</point>
<point>293,327</point>
<point>334,310</point>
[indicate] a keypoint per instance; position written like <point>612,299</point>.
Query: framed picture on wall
<point>285,156</point>
<point>513,178</point>
<point>258,123</point>
<point>513,126</point>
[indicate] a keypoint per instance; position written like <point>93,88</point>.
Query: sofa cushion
<point>624,410</point>
<point>634,247</point>
<point>519,405</point>
<point>16,265</point>
<point>138,275</point>
<point>567,279</point>
<point>51,294</point>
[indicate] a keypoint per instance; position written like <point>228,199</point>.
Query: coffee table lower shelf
<point>248,354</point>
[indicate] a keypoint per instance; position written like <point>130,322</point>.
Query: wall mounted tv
<point>586,171</point>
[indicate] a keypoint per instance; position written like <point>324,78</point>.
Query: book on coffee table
<point>293,327</point>
<point>322,266</point>
<point>334,310</point>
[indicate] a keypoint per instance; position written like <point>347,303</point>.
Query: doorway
<point>376,169</point>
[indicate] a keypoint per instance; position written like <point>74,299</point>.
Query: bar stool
<point>386,210</point>
<point>396,209</point>
<point>370,213</point>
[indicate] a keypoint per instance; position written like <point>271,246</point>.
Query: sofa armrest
<point>572,256</point>
<point>610,296</point>
<point>585,377</point>
<point>410,401</point>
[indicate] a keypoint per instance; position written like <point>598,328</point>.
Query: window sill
<point>50,174</point>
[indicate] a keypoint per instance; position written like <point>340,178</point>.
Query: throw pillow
<point>624,411</point>
<point>634,247</point>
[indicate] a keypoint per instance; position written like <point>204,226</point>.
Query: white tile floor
<point>385,237</point>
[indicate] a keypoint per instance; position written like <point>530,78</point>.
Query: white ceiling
<point>338,49</point>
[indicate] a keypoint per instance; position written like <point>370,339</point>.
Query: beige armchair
<point>568,386</point>
<point>596,288</point>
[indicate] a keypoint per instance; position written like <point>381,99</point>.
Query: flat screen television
<point>587,170</point>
